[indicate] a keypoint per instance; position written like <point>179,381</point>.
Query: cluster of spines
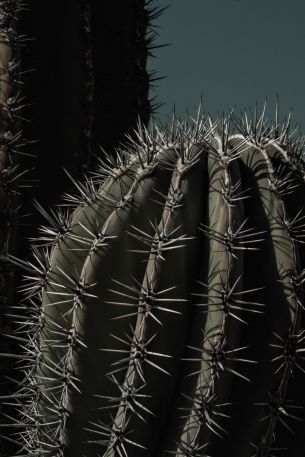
<point>223,297</point>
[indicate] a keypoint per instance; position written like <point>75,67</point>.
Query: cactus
<point>165,299</point>
<point>95,62</point>
<point>10,135</point>
<point>12,182</point>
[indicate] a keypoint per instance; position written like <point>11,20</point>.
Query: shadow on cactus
<point>165,299</point>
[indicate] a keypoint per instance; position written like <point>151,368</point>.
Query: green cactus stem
<point>166,308</point>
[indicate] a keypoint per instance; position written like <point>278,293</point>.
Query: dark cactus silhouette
<point>90,60</point>
<point>166,307</point>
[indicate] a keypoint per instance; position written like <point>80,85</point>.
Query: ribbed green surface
<point>167,307</point>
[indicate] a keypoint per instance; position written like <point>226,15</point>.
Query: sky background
<point>232,52</point>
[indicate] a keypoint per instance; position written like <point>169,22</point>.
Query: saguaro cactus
<point>176,278</point>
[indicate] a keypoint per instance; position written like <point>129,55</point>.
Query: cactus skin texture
<point>166,308</point>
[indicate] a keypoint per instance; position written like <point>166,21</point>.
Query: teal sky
<point>232,52</point>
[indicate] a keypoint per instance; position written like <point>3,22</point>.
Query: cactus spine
<point>175,279</point>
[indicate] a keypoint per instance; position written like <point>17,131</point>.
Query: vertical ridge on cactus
<point>165,300</point>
